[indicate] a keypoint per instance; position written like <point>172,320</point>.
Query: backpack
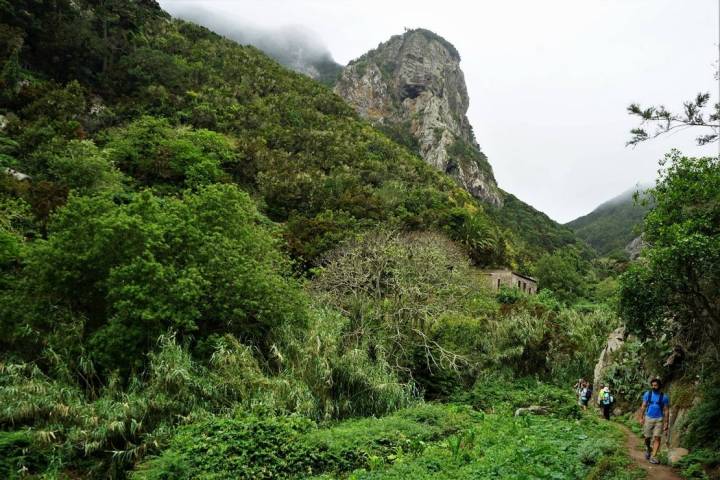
<point>607,399</point>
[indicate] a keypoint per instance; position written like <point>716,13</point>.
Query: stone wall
<point>508,278</point>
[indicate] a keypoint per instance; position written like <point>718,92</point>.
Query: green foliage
<point>509,295</point>
<point>535,233</point>
<point>562,272</point>
<point>696,464</point>
<point>245,447</point>
<point>625,374</point>
<point>147,287</point>
<point>8,147</point>
<point>400,133</point>
<point>591,451</point>
<point>153,152</point>
<point>198,264</point>
<point>497,394</point>
<point>20,456</point>
<point>503,447</point>
<point>428,441</point>
<point>252,446</point>
<point>80,166</point>
<point>674,290</point>
<point>703,420</point>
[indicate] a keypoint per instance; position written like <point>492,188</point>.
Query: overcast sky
<point>549,80</point>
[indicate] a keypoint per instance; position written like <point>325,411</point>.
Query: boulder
<point>675,454</point>
<point>20,177</point>
<point>532,410</point>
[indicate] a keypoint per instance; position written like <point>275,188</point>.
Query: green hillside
<point>612,225</point>
<point>289,141</point>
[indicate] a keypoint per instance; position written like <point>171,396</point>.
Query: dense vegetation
<point>614,224</point>
<point>429,441</point>
<point>203,255</point>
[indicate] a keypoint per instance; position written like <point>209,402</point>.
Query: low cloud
<point>294,46</point>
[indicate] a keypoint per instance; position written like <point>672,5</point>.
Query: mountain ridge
<point>611,226</point>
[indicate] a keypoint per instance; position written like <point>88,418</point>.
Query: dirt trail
<point>636,450</point>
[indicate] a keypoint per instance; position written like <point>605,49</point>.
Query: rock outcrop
<point>413,88</point>
<point>616,339</point>
<point>634,248</point>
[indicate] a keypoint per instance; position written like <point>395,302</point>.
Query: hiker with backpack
<point>588,395</point>
<point>584,394</point>
<point>655,415</point>
<point>606,401</point>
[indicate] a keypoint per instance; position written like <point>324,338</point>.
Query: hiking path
<point>636,450</point>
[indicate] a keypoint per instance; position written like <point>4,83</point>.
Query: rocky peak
<point>412,87</point>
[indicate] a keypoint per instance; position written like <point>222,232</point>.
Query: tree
<point>204,264</point>
<point>563,273</point>
<point>674,289</point>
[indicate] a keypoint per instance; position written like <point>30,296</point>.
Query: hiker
<point>578,389</point>
<point>605,401</point>
<point>588,394</point>
<point>578,386</point>
<point>585,395</point>
<point>654,418</point>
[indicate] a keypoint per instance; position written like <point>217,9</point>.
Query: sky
<point>549,81</point>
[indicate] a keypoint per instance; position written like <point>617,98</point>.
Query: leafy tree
<point>563,273</point>
<point>200,265</point>
<point>674,289</point>
<point>80,166</point>
<point>154,152</point>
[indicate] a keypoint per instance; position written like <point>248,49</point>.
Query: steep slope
<point>612,226</point>
<point>412,87</point>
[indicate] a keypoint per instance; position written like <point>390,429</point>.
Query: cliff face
<point>413,88</point>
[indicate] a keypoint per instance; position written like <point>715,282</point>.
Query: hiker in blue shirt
<point>654,419</point>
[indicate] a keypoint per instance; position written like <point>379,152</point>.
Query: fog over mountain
<point>295,46</point>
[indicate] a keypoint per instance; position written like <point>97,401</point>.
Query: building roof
<point>507,270</point>
<point>527,277</point>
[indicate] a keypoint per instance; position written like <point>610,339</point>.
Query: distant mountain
<point>614,224</point>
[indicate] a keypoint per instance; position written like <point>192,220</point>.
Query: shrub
<point>199,264</point>
<point>245,447</point>
<point>265,446</point>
